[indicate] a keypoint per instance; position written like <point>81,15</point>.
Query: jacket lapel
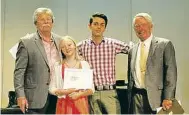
<point>56,42</point>
<point>152,49</point>
<point>150,54</point>
<point>41,48</point>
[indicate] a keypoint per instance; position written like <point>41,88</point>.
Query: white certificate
<point>78,78</point>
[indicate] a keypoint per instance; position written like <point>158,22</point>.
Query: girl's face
<point>68,47</point>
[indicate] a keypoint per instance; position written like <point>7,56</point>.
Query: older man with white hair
<point>152,69</point>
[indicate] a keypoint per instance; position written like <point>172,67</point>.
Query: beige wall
<point>71,17</point>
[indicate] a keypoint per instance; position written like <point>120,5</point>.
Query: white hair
<point>145,16</point>
<point>40,11</point>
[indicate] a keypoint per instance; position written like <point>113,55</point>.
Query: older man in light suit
<point>35,57</point>
<point>152,70</point>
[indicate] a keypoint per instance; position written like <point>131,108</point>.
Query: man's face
<point>142,28</point>
<point>44,22</point>
<point>97,27</point>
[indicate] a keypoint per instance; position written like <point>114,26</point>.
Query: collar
<point>148,40</point>
<point>41,36</point>
<point>91,40</point>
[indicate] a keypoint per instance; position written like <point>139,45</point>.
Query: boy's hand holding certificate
<point>78,78</point>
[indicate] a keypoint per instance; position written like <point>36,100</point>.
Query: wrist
<point>21,98</point>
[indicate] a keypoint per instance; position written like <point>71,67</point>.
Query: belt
<point>105,87</point>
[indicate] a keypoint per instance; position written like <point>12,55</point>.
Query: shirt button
<point>47,83</point>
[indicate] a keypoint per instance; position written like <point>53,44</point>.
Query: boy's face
<point>97,27</point>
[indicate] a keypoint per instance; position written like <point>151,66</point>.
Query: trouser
<point>104,102</point>
<point>140,103</point>
<point>49,107</point>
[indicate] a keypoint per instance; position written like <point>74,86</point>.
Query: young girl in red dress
<point>70,101</point>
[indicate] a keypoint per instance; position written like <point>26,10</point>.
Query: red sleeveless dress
<point>69,106</point>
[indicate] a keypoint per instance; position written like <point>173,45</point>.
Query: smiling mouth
<point>46,26</point>
<point>68,51</point>
<point>140,33</point>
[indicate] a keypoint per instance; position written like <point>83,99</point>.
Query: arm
<point>56,84</point>
<point>170,72</point>
<point>170,75</point>
<point>81,93</point>
<point>19,72</point>
<point>121,47</point>
<point>52,86</point>
<point>79,47</point>
<point>20,69</point>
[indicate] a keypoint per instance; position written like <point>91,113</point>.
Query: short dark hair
<point>99,15</point>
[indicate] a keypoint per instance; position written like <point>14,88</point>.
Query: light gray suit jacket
<point>161,71</point>
<point>32,72</point>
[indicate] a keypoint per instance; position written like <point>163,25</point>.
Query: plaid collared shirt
<point>101,58</point>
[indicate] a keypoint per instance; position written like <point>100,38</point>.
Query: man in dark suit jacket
<point>152,84</point>
<point>35,57</point>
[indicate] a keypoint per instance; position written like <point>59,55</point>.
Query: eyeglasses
<point>140,25</point>
<point>49,20</point>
